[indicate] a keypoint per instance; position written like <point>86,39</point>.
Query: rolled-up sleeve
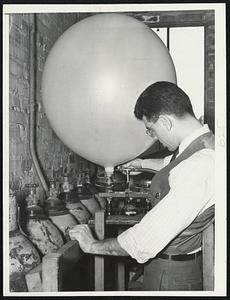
<point>191,191</point>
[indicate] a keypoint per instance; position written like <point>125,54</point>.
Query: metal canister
<point>77,209</point>
<point>41,231</point>
<point>44,234</point>
<point>90,203</point>
<point>60,215</point>
<point>23,256</point>
<point>88,200</point>
<point>13,213</point>
<point>102,201</point>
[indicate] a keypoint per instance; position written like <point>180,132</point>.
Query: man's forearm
<point>108,247</point>
<point>155,164</point>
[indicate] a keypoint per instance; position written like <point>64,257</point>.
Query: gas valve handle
<point>31,199</point>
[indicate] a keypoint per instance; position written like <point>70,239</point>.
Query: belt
<point>182,257</point>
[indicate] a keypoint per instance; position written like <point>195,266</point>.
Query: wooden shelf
<point>120,220</point>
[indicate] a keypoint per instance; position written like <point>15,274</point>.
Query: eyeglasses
<point>150,132</point>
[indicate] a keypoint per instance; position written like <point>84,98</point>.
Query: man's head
<point>163,106</point>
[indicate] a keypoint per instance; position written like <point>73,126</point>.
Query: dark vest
<point>190,238</point>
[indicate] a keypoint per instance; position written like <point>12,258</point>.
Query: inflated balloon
<point>92,78</point>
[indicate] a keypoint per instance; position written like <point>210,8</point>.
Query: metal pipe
<point>32,93</point>
<point>134,169</point>
<point>168,38</point>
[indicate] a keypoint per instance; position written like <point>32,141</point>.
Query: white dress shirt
<point>191,192</point>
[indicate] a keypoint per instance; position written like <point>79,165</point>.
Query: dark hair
<point>162,97</point>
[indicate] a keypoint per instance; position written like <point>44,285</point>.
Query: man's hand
<point>136,163</point>
<point>155,164</point>
<point>83,235</point>
<point>89,244</point>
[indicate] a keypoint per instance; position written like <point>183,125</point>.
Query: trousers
<point>168,275</point>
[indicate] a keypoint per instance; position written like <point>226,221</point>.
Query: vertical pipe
<point>168,38</point>
<point>32,94</point>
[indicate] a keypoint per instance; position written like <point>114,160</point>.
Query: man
<point>168,238</point>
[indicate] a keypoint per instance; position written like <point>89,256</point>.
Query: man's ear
<point>166,122</point>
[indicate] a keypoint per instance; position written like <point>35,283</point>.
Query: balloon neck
<point>109,171</point>
<point>109,177</point>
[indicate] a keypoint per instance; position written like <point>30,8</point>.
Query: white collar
<point>189,139</point>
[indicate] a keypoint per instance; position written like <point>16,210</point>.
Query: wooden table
<point>120,221</point>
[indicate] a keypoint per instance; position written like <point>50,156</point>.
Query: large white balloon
<point>92,78</point>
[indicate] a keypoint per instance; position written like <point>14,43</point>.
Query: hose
<point>32,94</point>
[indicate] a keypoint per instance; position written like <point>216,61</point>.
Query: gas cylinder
<point>87,199</point>
<point>23,256</point>
<point>58,212</point>
<point>42,232</point>
<point>101,201</point>
<point>76,208</point>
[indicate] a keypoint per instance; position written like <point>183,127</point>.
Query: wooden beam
<point>120,220</point>
<point>47,276</point>
<point>34,279</point>
<point>174,18</point>
<point>99,260</point>
<point>124,194</point>
<point>120,271</point>
<point>55,264</point>
<point>52,272</point>
<point>208,258</point>
<point>70,253</point>
<point>209,76</point>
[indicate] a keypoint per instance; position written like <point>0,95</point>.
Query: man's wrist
<point>142,164</point>
<point>107,247</point>
<point>93,247</point>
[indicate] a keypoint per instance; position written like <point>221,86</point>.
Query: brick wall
<point>53,155</point>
